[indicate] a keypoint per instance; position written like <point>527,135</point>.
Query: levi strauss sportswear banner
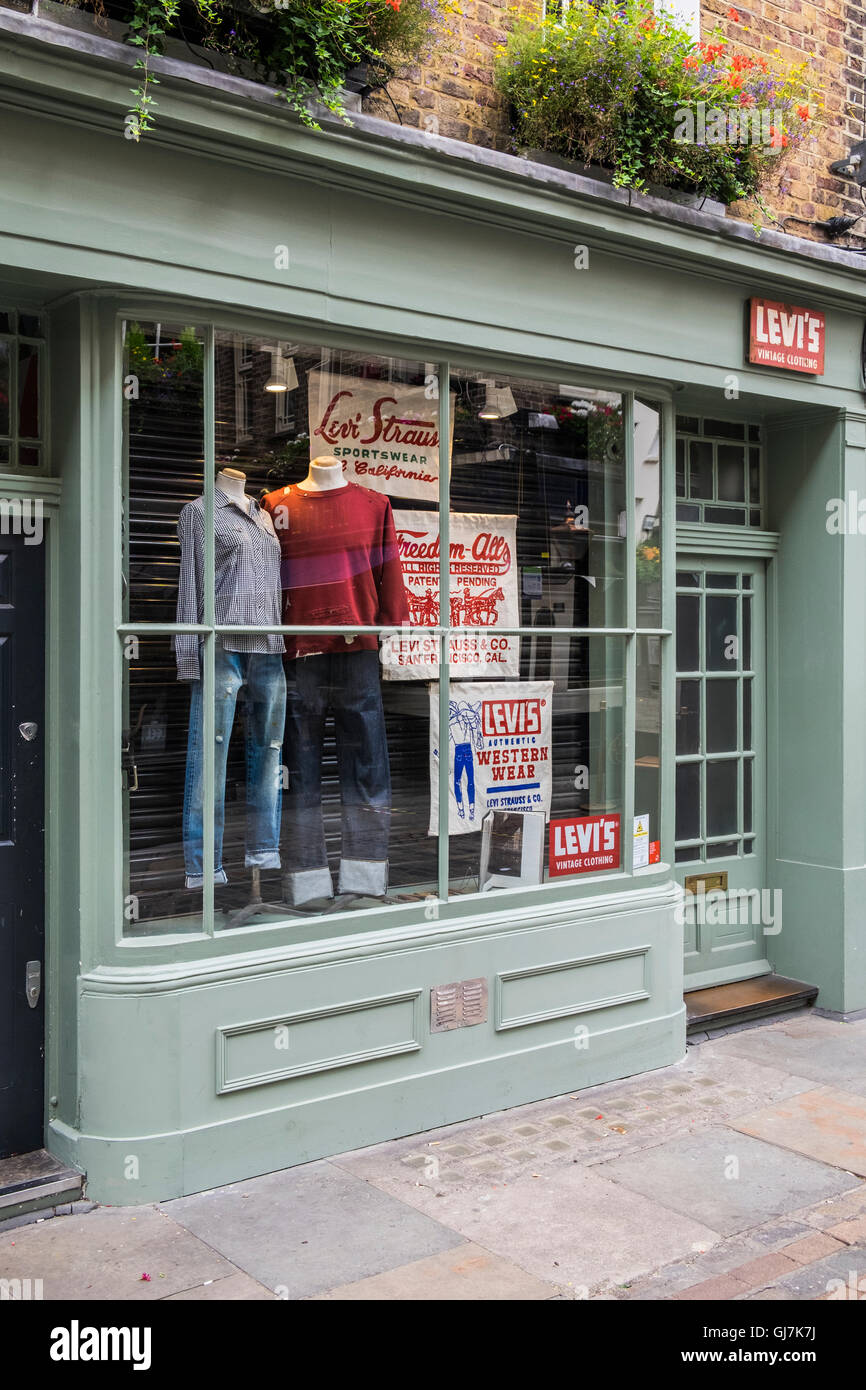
<point>386,433</point>
<point>498,748</point>
<point>483,594</point>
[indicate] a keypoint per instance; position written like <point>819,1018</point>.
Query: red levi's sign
<point>584,845</point>
<point>787,336</point>
<point>501,717</point>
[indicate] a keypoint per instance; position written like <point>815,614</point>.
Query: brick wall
<point>452,92</point>
<point>826,33</point>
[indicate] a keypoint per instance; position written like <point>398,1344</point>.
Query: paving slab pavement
<point>727,1180</point>
<point>826,1124</point>
<point>806,1045</point>
<point>736,1174</point>
<point>308,1229</point>
<point>467,1274</point>
<point>104,1255</point>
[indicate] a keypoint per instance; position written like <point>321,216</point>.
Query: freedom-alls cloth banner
<point>387,433</point>
<point>498,746</point>
<point>484,594</point>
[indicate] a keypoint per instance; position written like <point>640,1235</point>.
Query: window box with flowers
<point>311,50</point>
<point>619,87</point>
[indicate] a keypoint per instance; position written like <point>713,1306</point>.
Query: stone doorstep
<point>45,1197</point>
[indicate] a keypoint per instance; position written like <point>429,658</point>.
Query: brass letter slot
<point>707,883</point>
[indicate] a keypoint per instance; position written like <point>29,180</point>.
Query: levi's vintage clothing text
<point>340,566</point>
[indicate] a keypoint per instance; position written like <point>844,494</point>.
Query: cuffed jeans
<point>464,763</point>
<point>262,674</point>
<point>347,684</point>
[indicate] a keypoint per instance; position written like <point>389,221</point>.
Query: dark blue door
<point>22,772</point>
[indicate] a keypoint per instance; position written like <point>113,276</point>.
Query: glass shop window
<point>163,466</point>
<point>319,788</point>
<point>535,772</point>
<point>286,710</point>
<point>22,388</point>
<point>719,471</point>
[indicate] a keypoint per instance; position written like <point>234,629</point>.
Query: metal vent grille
<point>458,1005</point>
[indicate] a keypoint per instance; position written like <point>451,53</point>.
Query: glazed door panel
<point>721,765</point>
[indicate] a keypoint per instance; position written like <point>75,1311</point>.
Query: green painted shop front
<point>192,1047</point>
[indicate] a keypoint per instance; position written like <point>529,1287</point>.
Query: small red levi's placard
<point>584,845</point>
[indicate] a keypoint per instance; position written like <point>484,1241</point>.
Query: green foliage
<point>610,85</point>
<point>304,46</point>
<point>180,360</point>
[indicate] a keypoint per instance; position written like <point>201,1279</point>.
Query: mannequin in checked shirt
<point>246,593</point>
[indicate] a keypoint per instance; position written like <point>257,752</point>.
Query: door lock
<point>33,982</point>
<point>28,730</point>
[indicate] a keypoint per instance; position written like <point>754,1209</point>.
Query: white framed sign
<point>483,593</point>
<point>386,433</point>
<point>498,748</point>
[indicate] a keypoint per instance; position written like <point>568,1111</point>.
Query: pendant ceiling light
<point>498,401</point>
<point>284,377</point>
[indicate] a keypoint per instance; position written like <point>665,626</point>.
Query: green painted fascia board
<point>90,86</point>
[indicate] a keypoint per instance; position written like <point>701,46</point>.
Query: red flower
<point>778,138</point>
<point>745,99</point>
<point>395,4</point>
<point>734,15</point>
<point>803,113</point>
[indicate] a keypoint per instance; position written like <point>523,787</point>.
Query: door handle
<point>33,982</point>
<point>28,730</point>
<point>127,762</point>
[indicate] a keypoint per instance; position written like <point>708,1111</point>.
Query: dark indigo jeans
<point>346,684</point>
<point>262,675</point>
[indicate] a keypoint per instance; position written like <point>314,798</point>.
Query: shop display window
<point>323,715</point>
<point>22,385</point>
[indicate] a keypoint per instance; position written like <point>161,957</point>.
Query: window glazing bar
<point>444,370</point>
<point>630,702</point>
<point>209,721</point>
<point>667,749</point>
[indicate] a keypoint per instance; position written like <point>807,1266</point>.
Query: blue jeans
<point>464,762</point>
<point>262,674</point>
<point>347,685</point>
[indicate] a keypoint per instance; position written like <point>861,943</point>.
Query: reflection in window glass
<point>648,726</point>
<point>163,451</point>
<point>722,798</point>
<point>721,716</point>
<point>552,458</point>
<point>688,801</point>
<point>688,716</point>
<point>730,459</point>
<point>647,512</point>
<point>28,391</point>
<point>328,742</point>
<point>721,635</point>
<point>156,727</point>
<point>700,469</point>
<point>523,751</point>
<point>688,633</point>
<point>341,448</point>
<point>4,387</point>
